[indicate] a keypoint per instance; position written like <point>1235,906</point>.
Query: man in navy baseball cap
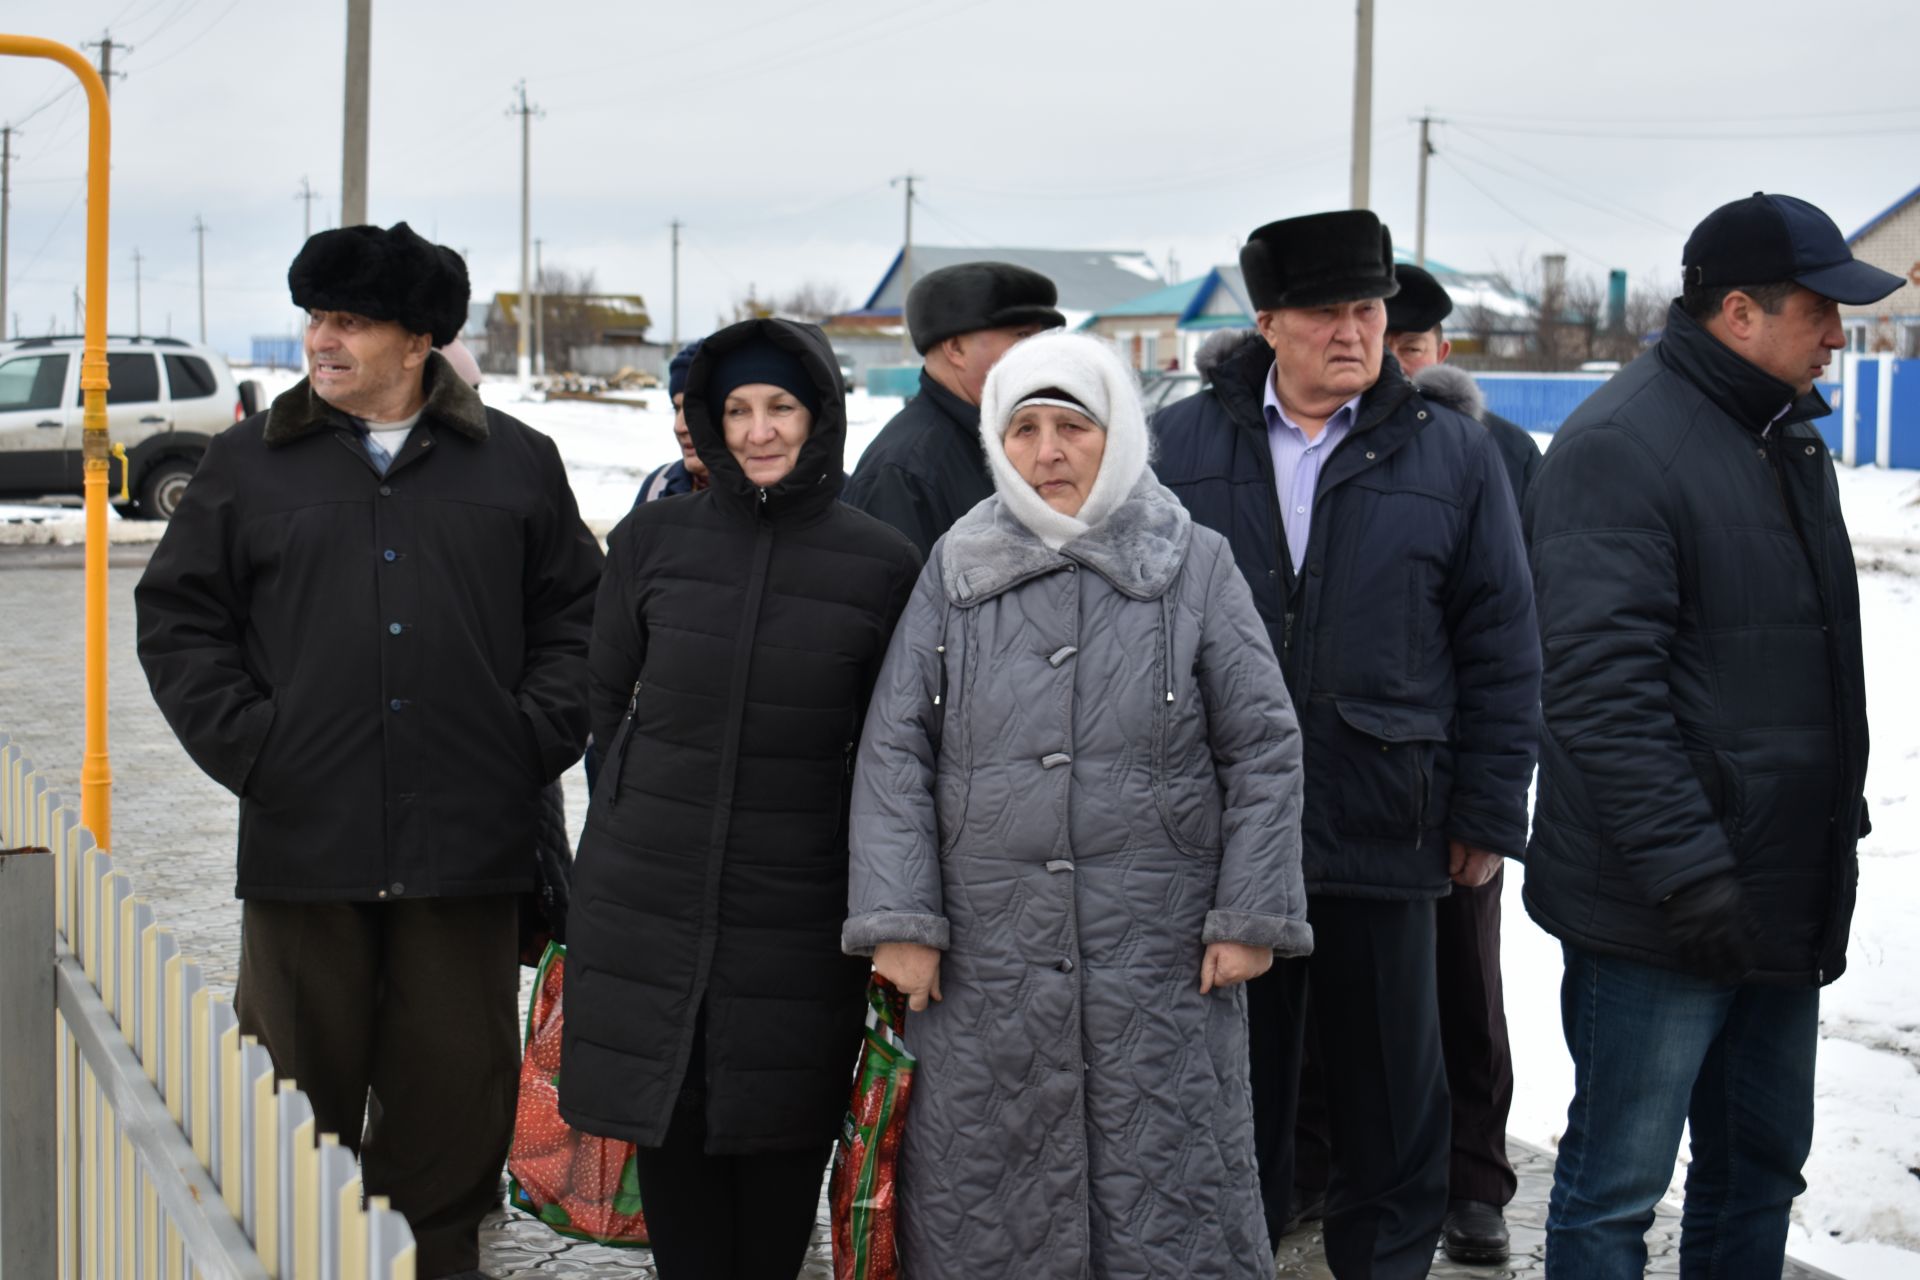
<point>1704,749</point>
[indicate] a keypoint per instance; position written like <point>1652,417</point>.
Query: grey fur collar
<point>1451,388</point>
<point>1139,548</point>
<point>297,412</point>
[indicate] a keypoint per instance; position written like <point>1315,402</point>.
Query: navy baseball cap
<point>1769,239</point>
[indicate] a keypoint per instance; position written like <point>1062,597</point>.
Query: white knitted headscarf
<point>1091,371</point>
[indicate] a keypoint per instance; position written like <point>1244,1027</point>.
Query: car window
<point>133,377</point>
<point>190,378</point>
<point>32,382</point>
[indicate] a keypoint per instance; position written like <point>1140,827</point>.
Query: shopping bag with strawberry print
<point>863,1194</point>
<point>584,1187</point>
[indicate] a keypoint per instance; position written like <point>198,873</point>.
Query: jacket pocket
<point>1720,782</point>
<point>1388,771</point>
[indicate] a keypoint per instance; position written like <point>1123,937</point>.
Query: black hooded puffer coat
<point>737,636</point>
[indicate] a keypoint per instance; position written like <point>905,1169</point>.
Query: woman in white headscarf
<point>1075,836</point>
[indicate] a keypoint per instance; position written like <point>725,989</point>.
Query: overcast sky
<point>772,131</point>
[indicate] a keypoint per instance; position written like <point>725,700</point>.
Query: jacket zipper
<point>617,756</point>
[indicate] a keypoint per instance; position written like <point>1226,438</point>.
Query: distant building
<point>1890,241</point>
<point>1089,280</point>
<point>595,333</point>
<point>276,351</point>
<point>1160,330</point>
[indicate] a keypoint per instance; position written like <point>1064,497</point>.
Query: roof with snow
<point>1884,214</point>
<point>623,313</point>
<point>1088,279</point>
<point>1218,299</point>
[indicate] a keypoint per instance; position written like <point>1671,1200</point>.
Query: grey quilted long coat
<point>1079,767</point>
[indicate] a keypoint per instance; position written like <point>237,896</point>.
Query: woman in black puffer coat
<point>711,1017</point>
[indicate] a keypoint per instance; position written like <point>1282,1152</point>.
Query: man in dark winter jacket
<point>926,468</point>
<point>1704,750</point>
<point>368,619</point>
<point>1380,538</point>
<point>685,473</point>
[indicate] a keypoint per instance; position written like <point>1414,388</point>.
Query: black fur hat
<point>1422,302</point>
<point>390,274</point>
<point>969,296</point>
<point>1318,259</point>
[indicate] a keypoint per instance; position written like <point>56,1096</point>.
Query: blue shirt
<point>1297,462</point>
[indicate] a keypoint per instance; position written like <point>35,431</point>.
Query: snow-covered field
<point>1860,1216</point>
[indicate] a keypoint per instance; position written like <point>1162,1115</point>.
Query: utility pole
<point>6,205</point>
<point>200,233</point>
<point>1362,104</point>
<point>1420,220</point>
<point>76,312</point>
<point>353,150</point>
<point>137,326</point>
<point>306,195</point>
<point>523,366</point>
<point>906,268</point>
<point>106,45</point>
<point>539,327</point>
<point>673,348</point>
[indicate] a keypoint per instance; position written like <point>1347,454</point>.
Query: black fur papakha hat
<point>1421,303</point>
<point>970,296</point>
<point>1318,260</point>
<point>392,274</point>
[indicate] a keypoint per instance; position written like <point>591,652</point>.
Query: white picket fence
<point>177,1153</point>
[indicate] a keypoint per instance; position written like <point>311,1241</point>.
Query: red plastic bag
<point>863,1193</point>
<point>584,1187</point>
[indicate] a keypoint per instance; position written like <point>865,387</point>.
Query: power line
<point>193,40</point>
<point>1618,209</point>
<point>1534,118</point>
<point>1446,158</point>
<point>1660,135</point>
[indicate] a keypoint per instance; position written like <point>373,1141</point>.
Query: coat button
<point>1314,568</point>
<point>381,894</point>
<point>1422,415</point>
<point>395,705</point>
<point>393,628</point>
<point>1066,965</point>
<point>1810,451</point>
<point>389,555</point>
<point>398,889</point>
<point>386,491</point>
<point>1369,455</point>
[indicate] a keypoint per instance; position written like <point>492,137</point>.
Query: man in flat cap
<point>1380,538</point>
<point>926,468</point>
<point>1704,748</point>
<point>368,620</point>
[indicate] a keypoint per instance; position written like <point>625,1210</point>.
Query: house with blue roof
<point>1889,240</point>
<point>1160,330</point>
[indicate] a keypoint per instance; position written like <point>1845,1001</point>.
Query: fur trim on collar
<point>298,412</point>
<point>1451,388</point>
<point>1138,548</point>
<point>1089,370</point>
<point>1222,347</point>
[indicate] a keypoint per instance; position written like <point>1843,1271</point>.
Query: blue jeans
<point>1653,1049</point>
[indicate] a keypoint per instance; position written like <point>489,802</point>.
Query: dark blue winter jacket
<point>1407,639</point>
<point>667,480</point>
<point>1705,700</point>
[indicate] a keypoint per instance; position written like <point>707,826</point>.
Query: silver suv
<point>166,399</point>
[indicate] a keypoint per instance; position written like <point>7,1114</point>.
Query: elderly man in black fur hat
<point>1380,538</point>
<point>926,468</point>
<point>369,620</point>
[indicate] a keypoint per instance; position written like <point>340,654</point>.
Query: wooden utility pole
<point>306,195</point>
<point>353,150</point>
<point>106,45</point>
<point>539,317</point>
<point>673,343</point>
<point>1420,220</point>
<point>200,233</point>
<point>906,270</point>
<point>1362,104</point>
<point>523,367</point>
<point>6,205</point>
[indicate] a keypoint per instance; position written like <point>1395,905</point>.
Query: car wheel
<point>163,486</point>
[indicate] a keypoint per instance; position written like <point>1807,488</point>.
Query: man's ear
<point>1737,312</point>
<point>1268,322</point>
<point>955,350</point>
<point>418,345</point>
<point>1442,351</point>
